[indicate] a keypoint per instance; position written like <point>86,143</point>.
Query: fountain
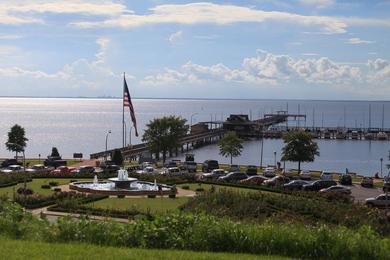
<point>122,185</point>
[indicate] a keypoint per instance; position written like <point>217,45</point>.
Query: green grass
<point>35,185</point>
<point>156,205</point>
<point>19,249</point>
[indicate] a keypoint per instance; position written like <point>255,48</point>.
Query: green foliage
<point>117,157</point>
<point>201,233</point>
<point>16,139</point>
<point>185,187</point>
<point>54,152</point>
<point>294,208</point>
<point>45,186</point>
<point>53,183</point>
<point>299,147</point>
<point>230,145</point>
<point>164,134</point>
<point>10,179</point>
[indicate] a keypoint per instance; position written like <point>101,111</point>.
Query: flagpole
<point>123,112</point>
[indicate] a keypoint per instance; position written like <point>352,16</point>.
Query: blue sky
<point>298,49</point>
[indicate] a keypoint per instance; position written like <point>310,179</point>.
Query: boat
<point>369,136</point>
<point>354,135</point>
<point>381,136</point>
<point>340,134</point>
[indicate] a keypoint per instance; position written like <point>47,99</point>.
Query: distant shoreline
<point>186,98</point>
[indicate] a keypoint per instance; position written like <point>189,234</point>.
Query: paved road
<point>360,193</point>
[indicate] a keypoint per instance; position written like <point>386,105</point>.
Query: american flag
<point>127,103</point>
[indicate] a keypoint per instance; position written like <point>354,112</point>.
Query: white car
<point>305,175</point>
<point>12,168</point>
<point>380,201</point>
<point>337,189</point>
<point>326,176</point>
<point>171,171</point>
<point>214,174</point>
<point>37,167</point>
<point>269,172</point>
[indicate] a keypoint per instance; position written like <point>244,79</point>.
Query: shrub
<point>121,196</point>
<point>172,196</point>
<point>57,189</point>
<point>53,183</point>
<point>25,191</point>
<point>185,187</point>
<point>45,186</point>
<point>199,189</point>
<point>151,196</point>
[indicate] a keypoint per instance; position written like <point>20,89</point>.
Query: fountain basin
<point>134,188</point>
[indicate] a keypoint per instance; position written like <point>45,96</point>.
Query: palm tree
<point>230,145</point>
<point>299,147</point>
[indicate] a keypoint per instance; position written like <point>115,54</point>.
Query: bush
<point>172,196</point>
<point>121,196</point>
<point>199,189</point>
<point>53,183</point>
<point>25,191</point>
<point>57,190</point>
<point>151,196</point>
<point>45,186</point>
<point>185,187</point>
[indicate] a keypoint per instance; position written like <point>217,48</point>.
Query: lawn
<point>35,185</point>
<point>19,249</point>
<point>155,205</point>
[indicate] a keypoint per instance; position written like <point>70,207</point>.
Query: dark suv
<point>318,185</point>
<point>210,165</point>
<point>251,170</point>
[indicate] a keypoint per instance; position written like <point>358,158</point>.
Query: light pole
<point>381,159</point>
<point>130,136</point>
<point>125,132</point>
<point>191,118</point>
<point>109,132</point>
<point>39,158</point>
<point>275,158</point>
<point>261,152</point>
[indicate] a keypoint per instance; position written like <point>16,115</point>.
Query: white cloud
<point>18,12</point>
<point>264,69</point>
<point>174,37</point>
<point>358,41</point>
<point>10,36</point>
<point>317,3</point>
<point>195,13</point>
<point>380,69</point>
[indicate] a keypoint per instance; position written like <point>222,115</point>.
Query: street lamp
<point>275,159</point>
<point>381,159</point>
<point>109,132</point>
<point>191,118</point>
<point>125,125</point>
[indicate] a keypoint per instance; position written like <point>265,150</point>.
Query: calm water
<point>80,125</point>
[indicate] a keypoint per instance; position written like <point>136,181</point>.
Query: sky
<point>256,49</point>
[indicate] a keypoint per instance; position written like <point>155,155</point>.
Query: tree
<point>164,134</point>
<point>117,157</point>
<point>299,147</point>
<point>16,140</point>
<point>230,145</point>
<point>54,152</point>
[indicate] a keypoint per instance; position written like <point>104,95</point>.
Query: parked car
<point>210,165</point>
<point>326,175</point>
<point>63,169</point>
<point>288,173</point>
<point>345,179</point>
<point>234,168</point>
<point>256,180</point>
<point>276,181</point>
<point>338,189</point>
<point>191,166</point>
<point>110,168</point>
<point>295,184</point>
<point>381,201</point>
<point>318,185</point>
<point>233,177</point>
<point>85,169</point>
<point>9,162</point>
<point>12,168</point>
<point>251,170</point>
<point>214,174</point>
<point>37,168</point>
<point>172,171</point>
<point>386,184</point>
<point>183,170</point>
<point>367,182</point>
<point>305,175</point>
<point>170,164</point>
<point>269,172</point>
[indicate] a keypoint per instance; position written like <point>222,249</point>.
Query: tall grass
<point>201,233</point>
